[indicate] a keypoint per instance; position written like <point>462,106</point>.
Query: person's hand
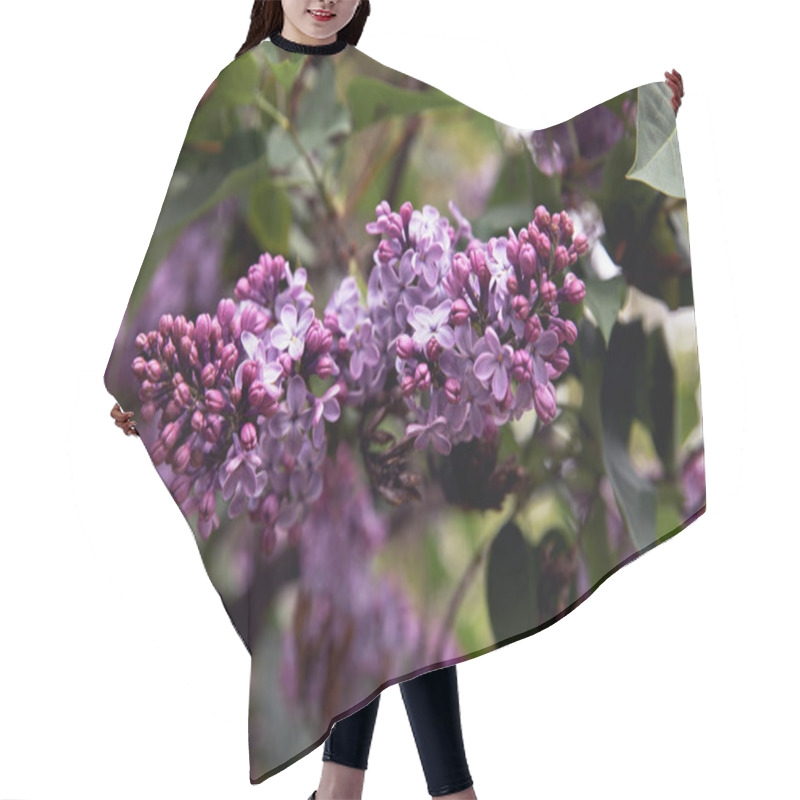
<point>124,420</point>
<point>675,82</point>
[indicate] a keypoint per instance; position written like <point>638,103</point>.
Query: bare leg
<point>339,782</point>
<point>344,759</point>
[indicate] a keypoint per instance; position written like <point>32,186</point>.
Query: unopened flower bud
<point>452,390</point>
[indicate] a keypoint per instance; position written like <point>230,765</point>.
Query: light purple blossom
<point>432,323</point>
<point>494,364</point>
<point>290,333</point>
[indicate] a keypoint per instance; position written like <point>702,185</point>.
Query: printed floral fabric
<point>419,381</point>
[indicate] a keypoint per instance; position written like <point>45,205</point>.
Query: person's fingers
<point>124,420</point>
<point>674,81</point>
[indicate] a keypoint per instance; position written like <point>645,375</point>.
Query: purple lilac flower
<point>229,395</point>
<point>472,318</point>
<point>462,332</point>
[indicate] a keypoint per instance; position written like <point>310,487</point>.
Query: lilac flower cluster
<point>475,337</point>
<point>238,415</point>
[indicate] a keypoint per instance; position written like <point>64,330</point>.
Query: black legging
<point>432,706</point>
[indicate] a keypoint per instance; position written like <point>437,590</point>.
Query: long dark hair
<point>266,18</point>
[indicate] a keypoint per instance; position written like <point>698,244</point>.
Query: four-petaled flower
<point>494,364</point>
<point>431,323</point>
<point>432,432</point>
<point>290,333</point>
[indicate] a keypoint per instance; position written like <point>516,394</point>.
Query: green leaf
<point>599,561</point>
<point>269,216</point>
<point>661,407</point>
<point>237,84</point>
<point>624,378</point>
<point>658,159</point>
<point>286,69</point>
<point>604,298</point>
<point>510,584</point>
<point>371,100</point>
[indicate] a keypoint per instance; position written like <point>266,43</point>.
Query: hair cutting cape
<point>418,380</point>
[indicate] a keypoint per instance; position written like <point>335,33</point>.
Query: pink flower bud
<point>548,290</point>
<point>326,340</point>
<point>542,245</point>
<point>576,289</point>
<point>406,211</point>
<point>153,371</point>
<point>332,322</point>
<point>544,401</point>
<point>169,351</point>
<point>433,350</point>
<point>581,244</point>
<point>459,312</point>
<point>521,307</point>
<point>452,390</point>
<point>226,311</point>
<point>533,327</point>
<point>248,436</point>
<point>407,385</point>
<point>158,454</point>
<point>385,252</point>
<point>165,324</point>
<point>256,394</point>
<point>325,366</point>
<point>405,346</point>
<point>185,346</point>
<point>560,360</point>
<point>527,260</point>
<point>314,337</point>
<point>512,251</point>
<point>511,283</point>
<point>212,430</point>
<point>561,258</point>
<point>256,275</point>
<point>202,328</point>
<point>523,365</point>
<point>183,395</point>
<point>208,376</point>
<point>541,218</point>
<point>460,268</point>
<point>422,377</point>
<point>169,434</point>
<point>285,360</point>
<point>242,289</point>
<point>181,458</point>
<point>214,400</point>
<point>249,373</point>
<point>139,367</point>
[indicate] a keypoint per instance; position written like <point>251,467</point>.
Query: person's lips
<point>322,15</point>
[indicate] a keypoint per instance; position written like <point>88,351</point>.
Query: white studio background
<point>676,678</point>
